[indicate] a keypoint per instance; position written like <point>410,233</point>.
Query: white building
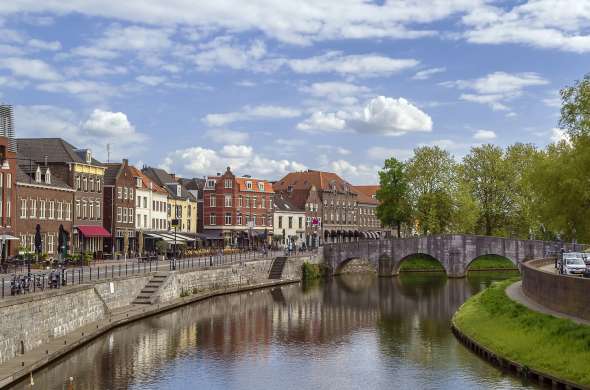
<point>151,205</point>
<point>289,222</point>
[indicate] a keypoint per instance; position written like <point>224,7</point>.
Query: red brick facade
<point>8,196</point>
<point>238,208</point>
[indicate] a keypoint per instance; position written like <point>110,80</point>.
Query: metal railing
<point>37,281</point>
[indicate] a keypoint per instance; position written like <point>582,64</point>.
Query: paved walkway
<point>514,292</point>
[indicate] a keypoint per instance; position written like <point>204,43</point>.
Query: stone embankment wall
<point>565,294</point>
<point>28,322</point>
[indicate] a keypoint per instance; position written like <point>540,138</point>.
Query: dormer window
<point>289,188</point>
<point>261,187</point>
<point>47,176</point>
<point>210,183</point>
<point>249,185</point>
<point>38,175</point>
<point>138,182</point>
<point>178,190</point>
<point>88,156</point>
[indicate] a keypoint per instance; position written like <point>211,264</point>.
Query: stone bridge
<point>455,252</point>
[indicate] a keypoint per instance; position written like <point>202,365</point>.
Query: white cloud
<point>152,81</point>
<point>381,153</point>
<point>222,51</point>
<point>337,92</point>
<point>353,65</point>
<point>87,89</point>
<point>44,45</point>
<point>547,24</point>
<point>495,89</point>
<point>381,115</point>
<point>428,73</point>
<point>558,135</point>
<point>484,135</point>
<point>226,136</point>
<point>250,113</point>
<point>30,68</point>
<point>114,125</point>
<point>356,173</point>
<point>198,161</point>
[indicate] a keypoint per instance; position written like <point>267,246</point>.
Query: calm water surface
<point>355,332</point>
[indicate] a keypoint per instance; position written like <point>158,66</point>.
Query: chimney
<point>45,160</point>
<point>125,162</point>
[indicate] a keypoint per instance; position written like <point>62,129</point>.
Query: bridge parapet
<point>454,251</point>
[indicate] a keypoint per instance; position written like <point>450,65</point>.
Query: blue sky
<point>268,87</point>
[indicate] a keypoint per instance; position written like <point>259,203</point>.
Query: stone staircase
<point>276,269</point>
<point>148,295</point>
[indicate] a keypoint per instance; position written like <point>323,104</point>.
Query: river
<point>353,332</point>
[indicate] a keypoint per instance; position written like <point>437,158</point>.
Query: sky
<point>268,87</point>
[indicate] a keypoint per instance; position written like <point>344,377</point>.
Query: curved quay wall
<point>565,294</point>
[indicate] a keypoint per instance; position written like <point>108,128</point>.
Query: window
<point>253,202</point>
<point>249,185</point>
<point>124,214</point>
<point>92,184</point>
<point>261,187</point>
<point>23,208</point>
<point>227,200</point>
<point>300,222</point>
<point>210,183</point>
<point>138,182</point>
<point>239,219</point>
<point>290,222</point>
<point>68,211</point>
<point>98,187</point>
<point>38,175</point>
<point>154,205</point>
<point>212,219</point>
<point>228,218</point>
<point>1,180</point>
<point>138,201</point>
<point>228,183</point>
<point>51,209</point>
<point>42,209</point>
<point>8,185</point>
<point>60,211</point>
<point>212,200</point>
<point>85,183</point>
<point>145,202</point>
<point>131,193</point>
<point>97,205</point>
<point>247,201</point>
<point>78,186</point>
<point>240,201</point>
<point>130,215</point>
<point>50,243</point>
<point>125,193</point>
<point>119,193</point>
<point>263,202</point>
<point>254,219</point>
<point>280,222</point>
<point>84,209</point>
<point>119,214</point>
<point>145,221</point>
<point>91,209</point>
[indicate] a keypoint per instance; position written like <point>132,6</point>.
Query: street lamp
<point>174,223</point>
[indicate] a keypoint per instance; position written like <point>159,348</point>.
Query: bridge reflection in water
<point>354,331</point>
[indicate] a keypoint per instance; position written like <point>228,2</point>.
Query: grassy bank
<point>552,345</point>
<point>491,262</point>
<point>312,271</point>
<point>420,263</point>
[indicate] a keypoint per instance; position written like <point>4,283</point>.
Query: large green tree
<point>431,174</point>
<point>575,108</point>
<point>394,208</point>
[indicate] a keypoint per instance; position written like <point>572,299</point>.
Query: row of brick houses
<point>58,199</point>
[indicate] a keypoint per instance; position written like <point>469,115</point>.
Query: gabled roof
<point>282,204</point>
<point>367,194</point>
<point>56,149</point>
<point>325,181</point>
<point>193,184</point>
<point>167,181</point>
<point>25,174</point>
<point>146,181</point>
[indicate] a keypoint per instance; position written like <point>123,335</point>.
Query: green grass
<point>420,263</point>
<point>491,262</point>
<point>548,344</point>
<point>312,271</point>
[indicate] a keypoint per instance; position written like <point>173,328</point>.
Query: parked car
<point>573,264</point>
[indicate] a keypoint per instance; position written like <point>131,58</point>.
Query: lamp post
<point>174,223</point>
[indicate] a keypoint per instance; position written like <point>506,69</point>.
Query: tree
<point>393,195</point>
<point>432,179</point>
<point>486,173</point>
<point>575,108</point>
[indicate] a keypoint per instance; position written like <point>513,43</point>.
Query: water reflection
<point>354,331</point>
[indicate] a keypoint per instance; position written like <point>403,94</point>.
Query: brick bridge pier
<point>454,251</point>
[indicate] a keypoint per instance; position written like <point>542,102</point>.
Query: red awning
<point>93,231</point>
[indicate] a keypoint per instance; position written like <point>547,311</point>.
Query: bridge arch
<point>426,256</point>
<point>357,261</point>
<point>497,261</point>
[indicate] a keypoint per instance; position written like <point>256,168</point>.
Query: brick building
<point>120,182</point>
<point>238,209</point>
<point>79,170</point>
<point>8,169</point>
<point>330,199</point>
<point>46,201</point>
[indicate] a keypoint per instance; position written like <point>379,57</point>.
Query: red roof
<point>93,231</point>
